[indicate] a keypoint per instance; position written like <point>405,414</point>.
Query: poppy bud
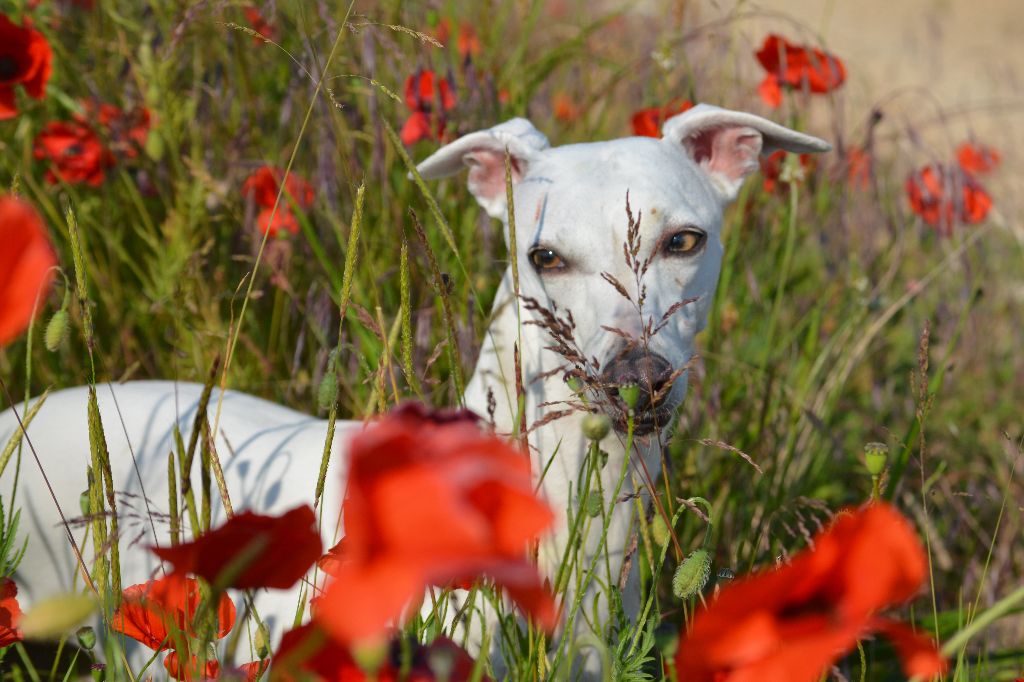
<point>876,456</point>
<point>86,637</point>
<point>574,383</point>
<point>692,575</point>
<point>327,393</point>
<point>56,330</point>
<point>594,505</point>
<point>629,393</point>
<point>262,642</point>
<point>83,503</point>
<point>659,530</point>
<point>596,426</point>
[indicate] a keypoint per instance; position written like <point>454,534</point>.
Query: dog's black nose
<point>649,371</point>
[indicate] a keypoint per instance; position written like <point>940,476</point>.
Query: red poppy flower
<point>469,41</point>
<point>75,153</point>
<point>26,260</point>
<point>127,131</point>
<point>190,669</point>
<point>771,169</point>
<point>790,623</point>
<point>309,652</point>
<point>262,551</point>
<point>428,96</point>
<point>25,59</point>
<point>10,613</point>
<point>263,185</point>
<point>259,24</point>
<point>431,499</point>
<point>160,614</point>
<point>564,108</point>
<point>251,671</point>
<point>648,122</point>
<point>944,195</point>
<point>798,67</point>
<point>977,158</point>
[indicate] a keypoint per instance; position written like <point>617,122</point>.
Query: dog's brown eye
<point>546,259</point>
<point>685,241</point>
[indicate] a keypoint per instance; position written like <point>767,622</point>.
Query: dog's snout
<point>648,371</point>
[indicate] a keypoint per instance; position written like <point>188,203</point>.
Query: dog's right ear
<point>483,152</point>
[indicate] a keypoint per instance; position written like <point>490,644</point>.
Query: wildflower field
<point>226,193</point>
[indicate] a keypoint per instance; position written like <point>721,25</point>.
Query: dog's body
<point>571,217</point>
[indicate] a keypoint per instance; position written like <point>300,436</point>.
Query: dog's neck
<point>559,448</point>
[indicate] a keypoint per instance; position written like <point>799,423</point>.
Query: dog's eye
<point>685,241</point>
<point>546,259</point>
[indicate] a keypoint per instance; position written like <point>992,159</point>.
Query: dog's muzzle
<point>652,375</point>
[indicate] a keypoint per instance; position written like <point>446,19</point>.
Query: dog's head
<point>637,278</point>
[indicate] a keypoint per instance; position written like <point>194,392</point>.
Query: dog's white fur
<point>569,199</point>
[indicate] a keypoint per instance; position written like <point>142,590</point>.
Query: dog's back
<point>270,457</point>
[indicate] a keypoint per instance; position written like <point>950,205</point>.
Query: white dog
<point>575,285</point>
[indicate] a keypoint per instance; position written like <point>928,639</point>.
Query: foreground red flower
<point>943,196</point>
<point>262,551</point>
<point>75,153</point>
<point>428,97</point>
<point>26,60</point>
<point>309,652</point>
<point>432,499</point>
<point>648,122</point>
<point>26,262</point>
<point>127,131</point>
<point>160,614</point>
<point>977,159</point>
<point>790,623</point>
<point>797,67</point>
<point>263,186</point>
<point>10,613</point>
<point>771,169</point>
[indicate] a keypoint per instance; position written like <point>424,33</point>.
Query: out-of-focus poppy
<point>977,159</point>
<point>858,168</point>
<point>161,614</point>
<point>25,59</point>
<point>428,97</point>
<point>797,67</point>
<point>74,152</point>
<point>26,262</point>
<point>790,623</point>
<point>251,551</point>
<point>771,169</point>
<point>308,652</point>
<point>648,122</point>
<point>945,195</point>
<point>260,24</point>
<point>468,42</point>
<point>10,613</point>
<point>263,185</point>
<point>564,108</point>
<point>481,515</point>
<point>126,130</point>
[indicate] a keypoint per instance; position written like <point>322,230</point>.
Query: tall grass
<point>817,341</point>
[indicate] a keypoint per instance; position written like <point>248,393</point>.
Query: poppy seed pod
<point>596,426</point>
<point>692,575</point>
<point>876,455</point>
<point>629,393</point>
<point>86,637</point>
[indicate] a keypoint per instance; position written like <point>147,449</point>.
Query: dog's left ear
<point>726,144</point>
<point>483,152</point>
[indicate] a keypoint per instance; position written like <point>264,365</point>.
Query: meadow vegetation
<point>852,309</point>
